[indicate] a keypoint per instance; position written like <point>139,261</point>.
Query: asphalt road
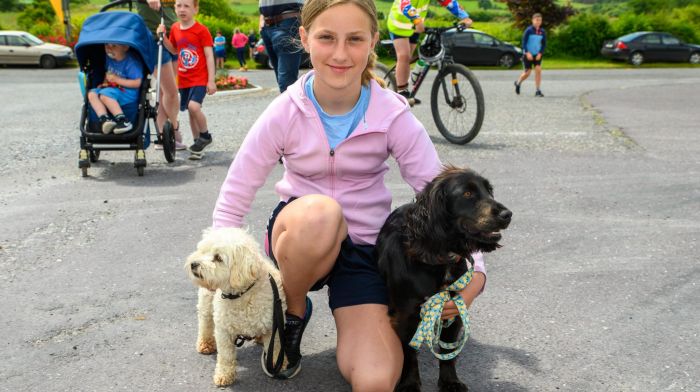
<point>596,288</point>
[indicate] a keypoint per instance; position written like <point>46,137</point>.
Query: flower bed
<point>232,82</point>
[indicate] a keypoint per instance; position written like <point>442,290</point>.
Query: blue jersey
<point>534,40</point>
<point>128,68</point>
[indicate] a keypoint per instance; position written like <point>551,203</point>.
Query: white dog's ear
<point>244,266</point>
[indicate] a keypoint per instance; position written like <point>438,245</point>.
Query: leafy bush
<point>485,4</point>
<point>552,14</point>
<point>9,5</point>
<point>582,36</point>
<point>661,21</point>
<point>220,9</point>
<point>38,11</point>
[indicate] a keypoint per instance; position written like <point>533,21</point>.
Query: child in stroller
<point>120,87</point>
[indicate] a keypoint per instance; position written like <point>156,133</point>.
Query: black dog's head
<point>457,211</point>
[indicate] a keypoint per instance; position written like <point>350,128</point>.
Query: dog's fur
<point>422,248</point>
<point>228,261</point>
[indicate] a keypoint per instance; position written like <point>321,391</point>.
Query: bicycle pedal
<point>413,101</point>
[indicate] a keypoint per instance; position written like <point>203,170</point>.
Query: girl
<point>335,128</point>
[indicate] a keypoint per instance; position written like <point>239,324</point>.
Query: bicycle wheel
<point>457,103</point>
<point>388,76</point>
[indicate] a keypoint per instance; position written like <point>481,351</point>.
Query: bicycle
<point>455,86</point>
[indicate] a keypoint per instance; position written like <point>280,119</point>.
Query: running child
<point>120,87</point>
<point>335,128</point>
<point>196,70</point>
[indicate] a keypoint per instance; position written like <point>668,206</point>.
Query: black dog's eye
<point>218,258</point>
<point>467,194</point>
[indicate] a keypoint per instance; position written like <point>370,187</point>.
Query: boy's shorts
<point>413,39</point>
<point>527,64</point>
<point>194,93</point>
<point>354,279</point>
<point>221,54</point>
<point>122,97</point>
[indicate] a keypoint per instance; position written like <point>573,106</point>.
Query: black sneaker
<point>293,331</point>
<point>411,101</point>
<point>123,126</point>
<point>538,93</point>
<point>199,144</point>
<point>517,88</point>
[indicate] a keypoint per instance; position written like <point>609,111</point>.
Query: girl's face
<point>339,42</point>
<point>185,10</point>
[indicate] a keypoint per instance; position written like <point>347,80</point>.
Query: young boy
<point>194,45</point>
<point>220,49</point>
<point>120,86</point>
<point>534,43</point>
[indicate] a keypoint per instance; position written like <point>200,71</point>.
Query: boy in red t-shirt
<point>193,44</point>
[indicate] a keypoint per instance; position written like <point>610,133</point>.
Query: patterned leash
<point>430,326</point>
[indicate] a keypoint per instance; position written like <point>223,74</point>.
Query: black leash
<point>277,329</point>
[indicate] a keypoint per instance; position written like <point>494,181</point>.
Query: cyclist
<point>406,22</point>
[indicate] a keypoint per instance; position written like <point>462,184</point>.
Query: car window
<point>650,39</point>
<point>2,40</point>
<point>31,39</point>
<point>483,39</point>
<point>463,38</point>
<point>13,40</point>
<point>670,40</point>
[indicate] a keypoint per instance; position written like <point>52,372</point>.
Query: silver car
<point>19,47</point>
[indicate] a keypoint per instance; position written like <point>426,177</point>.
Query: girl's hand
<point>154,4</point>
<point>468,294</point>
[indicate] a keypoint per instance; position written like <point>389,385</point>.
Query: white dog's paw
<point>206,346</point>
<point>224,375</point>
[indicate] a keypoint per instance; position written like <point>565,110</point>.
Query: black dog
<point>422,248</point>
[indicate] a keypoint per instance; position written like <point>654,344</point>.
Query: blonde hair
<point>314,8</point>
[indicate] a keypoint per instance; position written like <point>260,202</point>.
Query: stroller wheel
<point>94,155</point>
<point>168,141</point>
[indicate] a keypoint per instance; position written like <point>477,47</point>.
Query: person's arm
<point>211,69</point>
<point>154,4</point>
<point>168,42</point>
<point>544,43</point>
<point>255,159</point>
<point>456,10</point>
<point>261,22</point>
<point>409,11</point>
<point>123,82</point>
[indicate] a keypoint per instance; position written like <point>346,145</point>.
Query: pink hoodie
<point>352,173</point>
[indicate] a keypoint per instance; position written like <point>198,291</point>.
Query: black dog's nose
<point>505,215</point>
<point>194,266</point>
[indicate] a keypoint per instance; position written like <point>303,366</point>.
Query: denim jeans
<point>284,49</point>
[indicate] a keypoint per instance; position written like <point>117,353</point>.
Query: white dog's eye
<point>218,258</point>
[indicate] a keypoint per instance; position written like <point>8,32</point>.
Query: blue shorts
<point>194,93</point>
<point>354,279</point>
<point>122,97</point>
<point>167,56</point>
<point>413,39</point>
<point>221,54</point>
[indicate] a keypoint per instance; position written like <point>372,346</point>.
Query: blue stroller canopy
<point>118,27</point>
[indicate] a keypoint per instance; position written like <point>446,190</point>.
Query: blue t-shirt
<point>128,68</point>
<point>222,41</point>
<point>339,127</point>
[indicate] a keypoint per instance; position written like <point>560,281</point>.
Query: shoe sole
<point>120,131</point>
<point>196,156</point>
<point>200,151</point>
<point>281,375</point>
<point>109,128</point>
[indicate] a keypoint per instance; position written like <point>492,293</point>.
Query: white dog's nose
<point>194,265</point>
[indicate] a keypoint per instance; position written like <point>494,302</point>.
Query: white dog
<point>235,296</point>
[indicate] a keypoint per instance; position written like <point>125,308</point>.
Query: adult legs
<point>369,352</point>
<point>306,240</point>
<point>284,54</point>
<point>524,75</point>
<point>169,98</point>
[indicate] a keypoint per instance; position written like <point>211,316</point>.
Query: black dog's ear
<point>432,210</point>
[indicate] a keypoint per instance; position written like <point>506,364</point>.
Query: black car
<point>647,46</point>
<point>260,56</point>
<point>473,47</point>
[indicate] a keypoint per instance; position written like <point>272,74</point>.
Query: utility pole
<point>66,18</point>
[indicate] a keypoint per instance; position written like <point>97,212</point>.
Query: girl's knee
<point>373,380</point>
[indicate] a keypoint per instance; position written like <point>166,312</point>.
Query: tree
<point>552,14</point>
<point>38,11</point>
<point>8,5</point>
<point>485,4</point>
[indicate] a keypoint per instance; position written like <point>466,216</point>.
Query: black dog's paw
<point>412,387</point>
<point>452,386</point>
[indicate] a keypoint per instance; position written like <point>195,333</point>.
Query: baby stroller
<point>119,27</point>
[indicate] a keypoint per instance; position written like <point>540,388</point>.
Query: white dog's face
<point>225,259</point>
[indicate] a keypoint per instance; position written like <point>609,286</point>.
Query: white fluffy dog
<point>235,295</point>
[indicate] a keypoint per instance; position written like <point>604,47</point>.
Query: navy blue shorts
<point>354,279</point>
<point>413,39</point>
<point>195,93</point>
<point>527,64</point>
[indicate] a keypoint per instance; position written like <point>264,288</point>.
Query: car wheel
<point>269,63</point>
<point>636,58</point>
<point>47,61</point>
<point>694,58</point>
<point>506,61</point>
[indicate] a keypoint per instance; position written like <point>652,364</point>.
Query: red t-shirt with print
<point>192,63</point>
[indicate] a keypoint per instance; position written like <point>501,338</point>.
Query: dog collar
<point>236,296</point>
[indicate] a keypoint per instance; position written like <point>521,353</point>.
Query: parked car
<point>20,47</point>
<point>647,46</point>
<point>474,47</point>
<point>260,56</point>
